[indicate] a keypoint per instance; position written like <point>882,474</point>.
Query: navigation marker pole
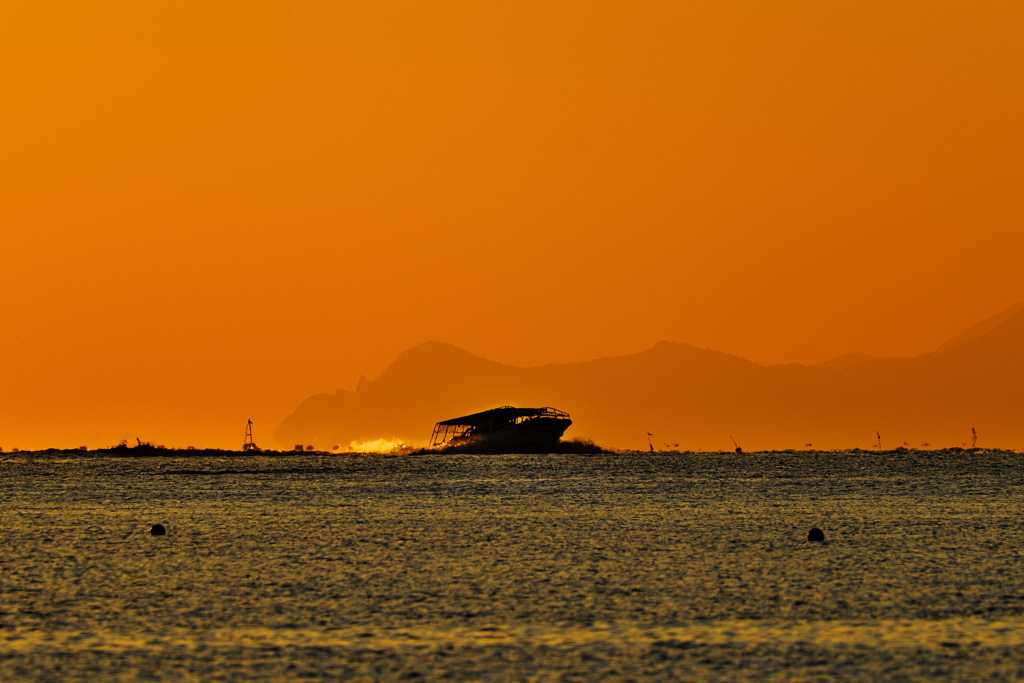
<point>249,444</point>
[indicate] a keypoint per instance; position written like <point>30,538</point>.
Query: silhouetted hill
<point>845,361</point>
<point>978,329</point>
<point>697,398</point>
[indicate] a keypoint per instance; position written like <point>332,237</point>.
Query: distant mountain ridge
<point>700,398</point>
<point>984,327</point>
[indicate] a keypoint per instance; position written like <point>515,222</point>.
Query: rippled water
<point>691,566</point>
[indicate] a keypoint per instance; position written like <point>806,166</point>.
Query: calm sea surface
<point>618,567</point>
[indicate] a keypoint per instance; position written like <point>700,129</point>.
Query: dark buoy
<point>159,530</point>
<point>815,534</point>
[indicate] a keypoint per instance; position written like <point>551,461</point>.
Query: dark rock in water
<point>158,530</point>
<point>815,534</point>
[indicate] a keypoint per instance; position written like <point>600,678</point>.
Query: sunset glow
<point>646,340</point>
<point>211,212</point>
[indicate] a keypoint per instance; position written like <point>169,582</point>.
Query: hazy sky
<point>209,211</point>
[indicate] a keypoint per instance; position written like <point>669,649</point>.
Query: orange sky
<point>209,213</point>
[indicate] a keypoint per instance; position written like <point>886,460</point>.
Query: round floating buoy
<point>815,534</point>
<point>158,530</point>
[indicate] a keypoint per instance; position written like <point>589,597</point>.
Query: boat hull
<point>538,435</point>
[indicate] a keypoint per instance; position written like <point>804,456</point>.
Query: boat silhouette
<point>502,430</point>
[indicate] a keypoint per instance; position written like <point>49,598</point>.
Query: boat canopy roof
<point>502,414</point>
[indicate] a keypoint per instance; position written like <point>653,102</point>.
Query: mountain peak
<point>700,396</point>
<point>984,327</point>
<point>433,361</point>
